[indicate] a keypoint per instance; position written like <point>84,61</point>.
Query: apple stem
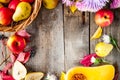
<point>5,60</point>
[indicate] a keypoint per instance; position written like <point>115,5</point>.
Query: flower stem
<point>118,49</point>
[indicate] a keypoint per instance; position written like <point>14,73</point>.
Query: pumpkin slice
<point>104,72</point>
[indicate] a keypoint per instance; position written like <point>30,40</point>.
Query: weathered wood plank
<point>4,51</point>
<point>76,31</point>
<point>47,31</point>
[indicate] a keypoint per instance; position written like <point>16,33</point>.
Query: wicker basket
<point>23,24</point>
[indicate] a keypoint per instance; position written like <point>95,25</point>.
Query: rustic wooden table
<point>63,38</point>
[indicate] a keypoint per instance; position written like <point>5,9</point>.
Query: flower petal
<point>91,5</point>
<point>115,4</point>
<point>86,61</point>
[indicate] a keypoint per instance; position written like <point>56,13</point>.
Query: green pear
<point>4,1</point>
<point>23,11</point>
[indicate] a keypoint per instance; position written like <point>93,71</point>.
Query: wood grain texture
<point>4,51</point>
<point>47,31</point>
<point>76,37</point>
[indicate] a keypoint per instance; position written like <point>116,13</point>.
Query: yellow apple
<point>50,4</point>
<point>1,5</point>
<point>4,1</point>
<point>16,44</point>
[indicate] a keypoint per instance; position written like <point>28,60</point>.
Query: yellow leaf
<point>97,34</point>
<point>62,77</point>
<point>73,8</point>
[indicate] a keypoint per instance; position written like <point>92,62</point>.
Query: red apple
<point>30,1</point>
<point>16,44</point>
<point>6,16</point>
<point>104,17</point>
<point>13,4</point>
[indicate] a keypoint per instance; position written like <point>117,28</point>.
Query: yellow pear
<point>50,4</point>
<point>4,1</point>
<point>23,11</point>
<point>103,49</point>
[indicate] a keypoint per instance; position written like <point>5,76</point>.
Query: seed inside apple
<point>16,44</point>
<point>104,17</point>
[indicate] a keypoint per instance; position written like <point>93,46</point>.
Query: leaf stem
<point>117,47</point>
<point>5,60</point>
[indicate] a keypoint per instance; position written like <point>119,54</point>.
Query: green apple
<point>50,4</point>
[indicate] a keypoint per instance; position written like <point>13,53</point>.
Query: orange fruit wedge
<point>97,34</point>
<point>73,8</point>
<point>62,77</point>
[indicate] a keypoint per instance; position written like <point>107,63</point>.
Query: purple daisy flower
<point>115,4</point>
<point>91,5</point>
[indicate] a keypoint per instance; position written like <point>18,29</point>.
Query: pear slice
<point>18,71</point>
<point>34,76</point>
<point>97,34</point>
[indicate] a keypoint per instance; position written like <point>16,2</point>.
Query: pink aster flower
<point>115,4</point>
<point>67,2</point>
<point>91,5</point>
<point>88,60</point>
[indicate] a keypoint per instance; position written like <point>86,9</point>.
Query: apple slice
<point>97,34</point>
<point>34,76</point>
<point>18,71</point>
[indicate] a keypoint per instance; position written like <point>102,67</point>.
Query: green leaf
<point>113,41</point>
<point>98,61</point>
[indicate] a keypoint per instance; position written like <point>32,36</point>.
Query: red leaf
<point>27,57</point>
<point>21,57</point>
<point>7,67</point>
<point>13,57</point>
<point>8,77</point>
<point>4,76</point>
<point>23,33</point>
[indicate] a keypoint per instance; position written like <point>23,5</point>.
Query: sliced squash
<point>104,72</point>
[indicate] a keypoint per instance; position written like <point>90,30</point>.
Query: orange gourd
<point>104,72</point>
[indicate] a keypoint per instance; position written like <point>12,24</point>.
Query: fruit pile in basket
<point>17,14</point>
<point>14,10</point>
